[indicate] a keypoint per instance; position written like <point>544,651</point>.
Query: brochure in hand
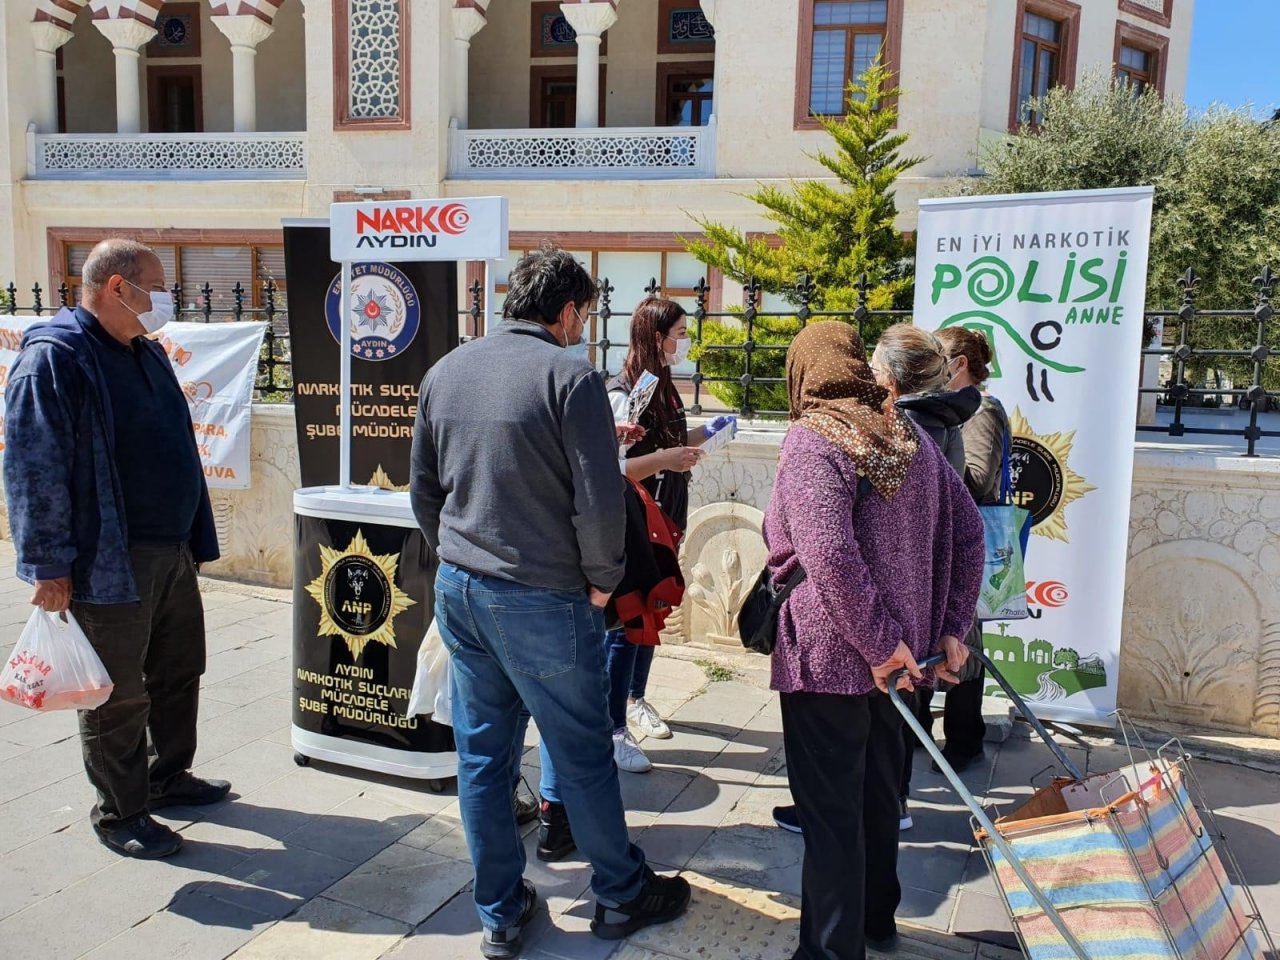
<point>640,395</point>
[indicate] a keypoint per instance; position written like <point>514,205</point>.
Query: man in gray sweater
<point>515,483</point>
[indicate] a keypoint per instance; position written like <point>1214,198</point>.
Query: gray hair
<point>111,257</point>
<point>913,358</point>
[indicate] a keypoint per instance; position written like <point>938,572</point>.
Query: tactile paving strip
<point>726,921</point>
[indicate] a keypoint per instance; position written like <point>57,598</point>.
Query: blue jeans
<point>514,645</point>
<point>628,666</point>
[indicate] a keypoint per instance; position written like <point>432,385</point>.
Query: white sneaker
<point>642,716</point>
<point>628,755</point>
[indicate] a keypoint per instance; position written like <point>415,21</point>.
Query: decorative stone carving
<point>375,34</point>
<point>222,156</point>
<point>722,554</point>
<point>679,148</point>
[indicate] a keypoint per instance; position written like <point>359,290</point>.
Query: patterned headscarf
<point>834,394</point>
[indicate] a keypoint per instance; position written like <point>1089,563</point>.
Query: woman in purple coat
<point>892,546</point>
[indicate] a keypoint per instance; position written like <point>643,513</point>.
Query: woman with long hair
<point>660,462</point>
<point>891,544</point>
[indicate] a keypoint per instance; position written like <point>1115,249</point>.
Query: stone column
<point>467,22</point>
<point>245,33</point>
<point>127,37</point>
<point>589,21</point>
<point>48,38</point>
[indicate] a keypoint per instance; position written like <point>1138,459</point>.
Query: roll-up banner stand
<point>372,305</point>
<point>1057,283</point>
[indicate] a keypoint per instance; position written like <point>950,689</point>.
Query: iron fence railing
<point>747,363</point>
<point>739,351</point>
<point>275,377</point>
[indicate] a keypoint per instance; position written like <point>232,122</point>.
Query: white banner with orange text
<point>216,365</point>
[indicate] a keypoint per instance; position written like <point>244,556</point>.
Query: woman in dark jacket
<point>985,436</point>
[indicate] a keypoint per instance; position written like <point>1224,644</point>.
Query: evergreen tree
<point>832,233</point>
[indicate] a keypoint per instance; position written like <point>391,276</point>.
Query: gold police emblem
<point>1043,482</point>
<point>358,596</point>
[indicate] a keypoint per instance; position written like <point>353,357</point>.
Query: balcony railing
<point>167,156</point>
<point>613,153</point>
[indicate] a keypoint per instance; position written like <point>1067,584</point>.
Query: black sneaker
<point>188,790</point>
<point>787,818</point>
<point>505,944</point>
<point>555,838</point>
<point>139,837</point>
<point>661,900</point>
<point>526,809</point>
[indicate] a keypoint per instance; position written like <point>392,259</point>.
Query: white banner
<point>216,364</point>
<point>1057,283</point>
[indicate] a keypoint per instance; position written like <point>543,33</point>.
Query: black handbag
<point>758,618</point>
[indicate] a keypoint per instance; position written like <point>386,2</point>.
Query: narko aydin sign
<point>474,228</point>
<point>1057,282</point>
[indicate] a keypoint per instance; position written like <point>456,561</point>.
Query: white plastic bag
<point>431,685</point>
<point>54,667</point>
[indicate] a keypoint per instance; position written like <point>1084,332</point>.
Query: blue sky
<point>1233,56</point>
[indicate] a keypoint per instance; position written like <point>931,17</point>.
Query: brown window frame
<point>540,72</point>
<point>665,45</point>
<point>1067,14</point>
<point>804,120</point>
<point>681,68</point>
<point>1163,17</point>
<point>1154,45</point>
<point>342,119</point>
<point>60,240</point>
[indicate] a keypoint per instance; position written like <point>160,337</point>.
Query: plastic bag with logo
<point>53,667</point>
<point>433,681</point>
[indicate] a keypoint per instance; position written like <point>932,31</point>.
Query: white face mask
<point>681,352</point>
<point>161,311</point>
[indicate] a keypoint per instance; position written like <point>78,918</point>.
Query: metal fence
<point>275,377</point>
<point>743,364</point>
<point>750,367</point>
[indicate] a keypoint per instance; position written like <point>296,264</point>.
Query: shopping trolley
<point>1124,865</point>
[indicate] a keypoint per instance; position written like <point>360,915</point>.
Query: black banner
<point>362,600</point>
<point>404,318</point>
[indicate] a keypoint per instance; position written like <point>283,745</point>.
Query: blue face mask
<point>577,350</point>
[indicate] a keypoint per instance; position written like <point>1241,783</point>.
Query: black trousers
<point>154,651</point>
<point>962,723</point>
<point>844,757</point>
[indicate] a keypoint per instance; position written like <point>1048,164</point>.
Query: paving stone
<point>240,660</point>
<point>357,829</point>
<point>451,933</point>
<point>294,871</point>
<point>250,768</point>
<point>653,792</point>
<point>432,831</point>
<point>567,935</point>
<point>264,681</point>
<point>33,872</point>
<point>727,920</point>
<point>403,883</point>
<point>34,769</point>
<point>927,908</point>
<point>196,927</point>
<point>269,903</point>
<point>982,917</point>
<point>762,857</point>
<point>42,729</point>
<point>44,811</point>
<point>326,930</point>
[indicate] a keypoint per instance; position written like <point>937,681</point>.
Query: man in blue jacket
<point>111,518</point>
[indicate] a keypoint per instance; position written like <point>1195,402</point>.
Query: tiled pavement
<point>323,861</point>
